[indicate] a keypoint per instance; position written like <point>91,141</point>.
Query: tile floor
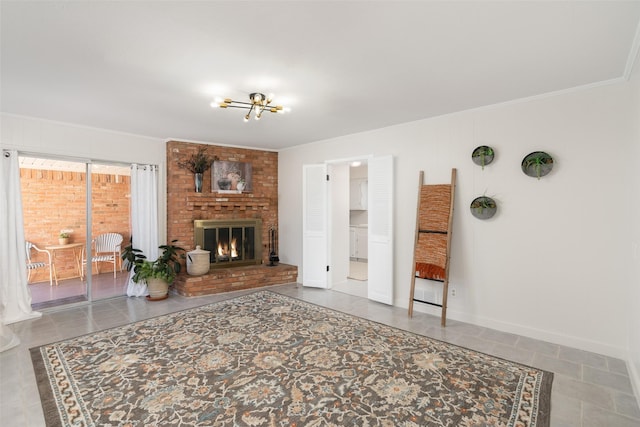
<point>588,390</point>
<point>358,288</point>
<point>358,270</point>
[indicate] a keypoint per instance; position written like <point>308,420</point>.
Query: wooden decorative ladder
<point>433,239</point>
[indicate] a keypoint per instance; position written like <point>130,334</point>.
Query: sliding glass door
<point>110,189</point>
<point>63,213</point>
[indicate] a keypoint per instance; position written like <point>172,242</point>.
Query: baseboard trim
<point>634,377</point>
<point>539,334</point>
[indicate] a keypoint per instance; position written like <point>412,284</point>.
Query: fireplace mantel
<point>200,201</point>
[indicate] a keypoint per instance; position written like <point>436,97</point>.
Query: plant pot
<point>482,155</point>
<point>158,289</point>
<point>483,207</point>
<point>198,182</point>
<point>537,164</point>
<point>63,240</point>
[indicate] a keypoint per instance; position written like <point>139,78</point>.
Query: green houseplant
<point>158,274</point>
<point>482,155</point>
<point>63,237</point>
<point>537,164</point>
<point>483,207</point>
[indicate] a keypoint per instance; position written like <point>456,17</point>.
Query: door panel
<point>54,198</point>
<point>380,204</point>
<point>314,226</point>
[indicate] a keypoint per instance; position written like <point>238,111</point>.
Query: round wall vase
<point>483,207</point>
<point>198,262</point>
<point>198,181</point>
<point>483,155</point>
<point>537,164</point>
<point>63,241</point>
<point>224,184</point>
<point>158,289</point>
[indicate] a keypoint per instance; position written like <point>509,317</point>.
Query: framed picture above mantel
<point>231,177</point>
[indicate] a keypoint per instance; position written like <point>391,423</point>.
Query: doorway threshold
<point>59,302</point>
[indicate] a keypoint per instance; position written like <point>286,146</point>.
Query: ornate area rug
<point>269,360</point>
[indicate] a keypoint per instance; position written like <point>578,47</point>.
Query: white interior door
<point>380,194</point>
<point>315,226</point>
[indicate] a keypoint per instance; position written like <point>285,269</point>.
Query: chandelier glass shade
<point>258,104</point>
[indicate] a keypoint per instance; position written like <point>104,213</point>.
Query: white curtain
<point>15,297</point>
<point>144,218</point>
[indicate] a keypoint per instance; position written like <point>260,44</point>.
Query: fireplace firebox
<point>231,242</point>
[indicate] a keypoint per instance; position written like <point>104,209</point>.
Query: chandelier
<point>257,105</point>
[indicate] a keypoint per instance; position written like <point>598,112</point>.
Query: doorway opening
<point>325,226</point>
<point>356,282</point>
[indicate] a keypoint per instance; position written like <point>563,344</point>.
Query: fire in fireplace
<point>231,242</point>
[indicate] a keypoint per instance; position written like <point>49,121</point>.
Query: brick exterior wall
<point>56,200</point>
<point>184,206</point>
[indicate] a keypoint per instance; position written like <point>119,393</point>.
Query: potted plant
<point>537,164</point>
<point>198,163</point>
<point>158,274</point>
<point>482,155</point>
<point>63,238</point>
<point>483,207</point>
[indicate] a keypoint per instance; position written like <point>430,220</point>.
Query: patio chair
<point>33,264</point>
<point>105,248</point>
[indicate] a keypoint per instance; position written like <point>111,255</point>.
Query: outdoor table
<point>77,249</point>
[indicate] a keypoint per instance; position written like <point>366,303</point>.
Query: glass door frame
<point>88,165</point>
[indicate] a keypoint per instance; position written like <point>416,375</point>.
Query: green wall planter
<point>537,164</point>
<point>483,155</point>
<point>483,207</point>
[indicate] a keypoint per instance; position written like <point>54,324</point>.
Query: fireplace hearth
<point>231,242</point>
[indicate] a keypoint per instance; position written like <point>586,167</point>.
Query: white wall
<point>554,262</point>
<point>45,137</point>
<point>633,297</point>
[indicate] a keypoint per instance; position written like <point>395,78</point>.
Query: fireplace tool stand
<point>273,244</point>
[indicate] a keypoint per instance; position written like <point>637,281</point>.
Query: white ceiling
<point>152,68</point>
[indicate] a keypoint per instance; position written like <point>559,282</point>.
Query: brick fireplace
<point>185,207</point>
